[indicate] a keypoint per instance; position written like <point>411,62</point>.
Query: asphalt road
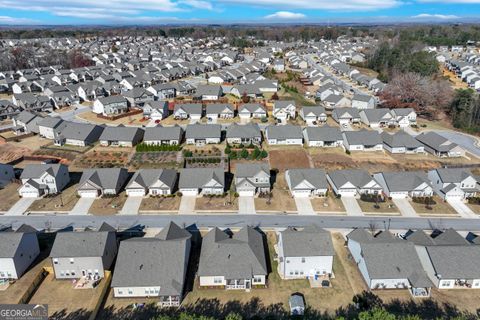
<point>231,221</point>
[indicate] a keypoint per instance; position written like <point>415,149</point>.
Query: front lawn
<point>108,205</point>
<point>226,203</point>
<point>439,208</point>
<point>328,204</point>
<point>160,204</point>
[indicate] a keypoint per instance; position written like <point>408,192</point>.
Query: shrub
<point>264,119</point>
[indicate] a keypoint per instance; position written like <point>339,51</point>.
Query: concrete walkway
<point>405,208</point>
<point>246,205</point>
<point>351,206</point>
<point>20,207</point>
<point>131,205</point>
<point>82,206</point>
<point>462,209</point>
<point>304,206</point>
<point>187,205</point>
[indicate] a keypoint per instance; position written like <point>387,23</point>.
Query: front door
<point>247,284</point>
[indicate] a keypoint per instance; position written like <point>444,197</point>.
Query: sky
<point>148,12</point>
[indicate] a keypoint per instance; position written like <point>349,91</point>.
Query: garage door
<point>348,193</point>
<point>189,192</point>
<point>88,194</point>
<point>135,193</point>
<point>301,193</point>
<point>30,194</point>
<point>454,197</point>
<point>246,193</point>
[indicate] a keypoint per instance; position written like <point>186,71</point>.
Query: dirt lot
<point>384,207</point>
<point>65,302</point>
<point>65,201</point>
<point>131,120</point>
<point>160,204</point>
<point>9,196</point>
<point>108,206</point>
<point>283,158</point>
<point>31,143</point>
<point>105,159</point>
<point>281,198</point>
<point>216,204</point>
<point>440,208</point>
<point>328,204</point>
<point>10,152</point>
<point>455,81</point>
<point>155,160</point>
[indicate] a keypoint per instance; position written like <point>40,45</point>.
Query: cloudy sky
<point>61,12</point>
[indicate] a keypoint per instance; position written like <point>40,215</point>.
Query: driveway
<point>131,205</point>
<point>304,206</point>
<point>462,209</point>
<point>405,208</point>
<point>82,206</point>
<point>351,206</point>
<point>246,205</point>
<point>187,205</point>
<point>20,207</point>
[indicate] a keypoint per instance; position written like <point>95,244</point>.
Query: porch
<point>238,284</point>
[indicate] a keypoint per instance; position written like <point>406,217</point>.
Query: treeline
<point>439,35</point>
<point>464,110</point>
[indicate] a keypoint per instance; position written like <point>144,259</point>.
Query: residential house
<point>156,110</point>
<point>202,134</point>
<point>209,92</point>
<point>363,101</point>
<point>102,181</point>
<point>400,185</point>
<point>18,251</point>
<point>454,183</point>
<point>305,254</point>
<point>191,111</point>
<point>405,117</point>
<point>138,97</point>
<point>153,267</point>
<point>152,182</point>
<point>163,135</point>
<point>251,179</point>
<point>50,127</point>
<point>363,140</point>
<point>111,105</point>
<point>219,110</point>
<point>236,262</point>
<point>346,115</point>
<point>244,134</point>
<point>440,146</point>
<point>284,135</point>
<point>121,136</point>
<point>43,179</point>
<point>26,122</point>
<point>284,110</point>
<point>377,118</point>
<point>201,181</point>
<point>306,182</point>
<point>353,182</point>
<point>325,136</point>
<point>7,174</point>
<point>401,142</point>
<point>252,110</point>
<point>313,115</point>
<point>335,101</point>
<point>79,134</point>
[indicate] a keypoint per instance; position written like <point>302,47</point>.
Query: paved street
<point>352,206</point>
<point>187,205</point>
<point>462,209</point>
<point>131,205</point>
<point>20,207</point>
<point>304,206</point>
<point>82,206</point>
<point>405,207</point>
<point>246,205</point>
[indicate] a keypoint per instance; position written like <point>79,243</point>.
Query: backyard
<point>160,204</point>
<point>288,157</point>
<point>155,160</point>
<point>129,120</point>
<point>103,159</point>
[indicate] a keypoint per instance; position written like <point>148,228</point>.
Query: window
<point>257,279</point>
<point>120,291</point>
<point>291,273</point>
<point>55,261</point>
<point>73,273</point>
<point>72,260</point>
<point>130,291</point>
<point>303,260</point>
<point>217,280</point>
<point>288,261</point>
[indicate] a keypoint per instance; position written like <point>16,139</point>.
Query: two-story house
<point>42,179</point>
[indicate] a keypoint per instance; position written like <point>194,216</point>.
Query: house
<point>191,111</point>
<point>284,110</point>
<point>209,92</point>
<point>7,174</point>
<point>306,182</point>
<point>121,136</point>
<point>305,254</point>
<point>50,127</point>
<point>363,101</point>
<point>152,182</point>
<point>18,251</point>
<point>163,135</point>
<point>234,262</point>
<point>440,146</point>
<point>401,142</point>
<point>346,115</point>
<point>43,179</point>
<point>111,105</point>
<point>313,115</point>
<point>251,179</point>
<point>244,134</point>
<point>334,101</point>
<point>138,97</point>
<point>153,267</point>
<point>325,136</point>
<point>362,140</point>
<point>387,262</point>
<point>156,110</point>
<point>405,117</point>
<point>284,135</point>
<point>85,254</point>
<point>454,183</point>
<point>377,118</point>
<point>353,182</point>
<point>202,181</point>
<point>202,134</point>
<point>79,134</point>
<point>26,122</point>
<point>279,65</point>
<point>102,181</point>
<point>252,110</point>
<point>400,185</point>
<point>219,110</point>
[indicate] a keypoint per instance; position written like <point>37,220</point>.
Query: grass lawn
<point>160,203</point>
<point>385,207</point>
<point>328,204</point>
<point>216,204</point>
<point>9,196</point>
<point>64,201</point>
<point>440,208</point>
<point>281,201</point>
<point>474,207</point>
<point>108,206</point>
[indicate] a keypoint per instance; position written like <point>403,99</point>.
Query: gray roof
<point>363,137</point>
<point>358,177</point>
<point>280,104</point>
<point>340,113</point>
<point>105,178</point>
<point>251,107</point>
<point>316,110</point>
<point>113,99</point>
<point>209,90</point>
<point>9,243</point>
<point>325,133</point>
<point>189,108</point>
<point>82,131</point>
<point>312,241</point>
<point>51,122</point>
<point>217,108</point>
<point>419,238</point>
<point>362,97</point>
<point>287,131</point>
<point>455,262</point>
<point>203,131</point>
<point>376,115</point>
<point>360,235</point>
<point>400,139</point>
<point>250,130</point>
<point>238,257</point>
<point>144,262</point>
<point>436,141</point>
<point>162,133</point>
<point>147,177</point>
<point>122,133</point>
<point>198,177</point>
<point>248,170</point>
<point>404,181</point>
<point>79,244</point>
<point>450,237</point>
<point>402,112</point>
<point>33,171</point>
<point>454,175</point>
<point>316,177</point>
<point>25,117</point>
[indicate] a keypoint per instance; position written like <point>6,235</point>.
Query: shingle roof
<point>287,131</point>
<point>198,177</point>
<point>147,177</point>
<point>121,133</point>
<point>250,130</point>
<point>400,139</point>
<point>455,262</point>
<point>311,241</point>
<point>436,141</point>
<point>357,177</point>
<point>363,137</point>
<point>315,177</point>
<point>106,178</point>
<point>325,133</point>
<point>404,181</point>
<point>162,133</point>
<point>203,131</point>
<point>33,171</point>
<point>9,243</point>
<point>79,244</point>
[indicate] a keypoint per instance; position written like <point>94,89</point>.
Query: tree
<point>77,59</point>
<point>245,97</point>
<point>244,153</point>
<point>465,110</point>
<point>376,314</point>
<point>275,96</point>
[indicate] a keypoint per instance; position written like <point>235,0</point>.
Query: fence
<point>14,138</point>
<point>107,280</point>
<point>41,275</point>
<point>119,116</point>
